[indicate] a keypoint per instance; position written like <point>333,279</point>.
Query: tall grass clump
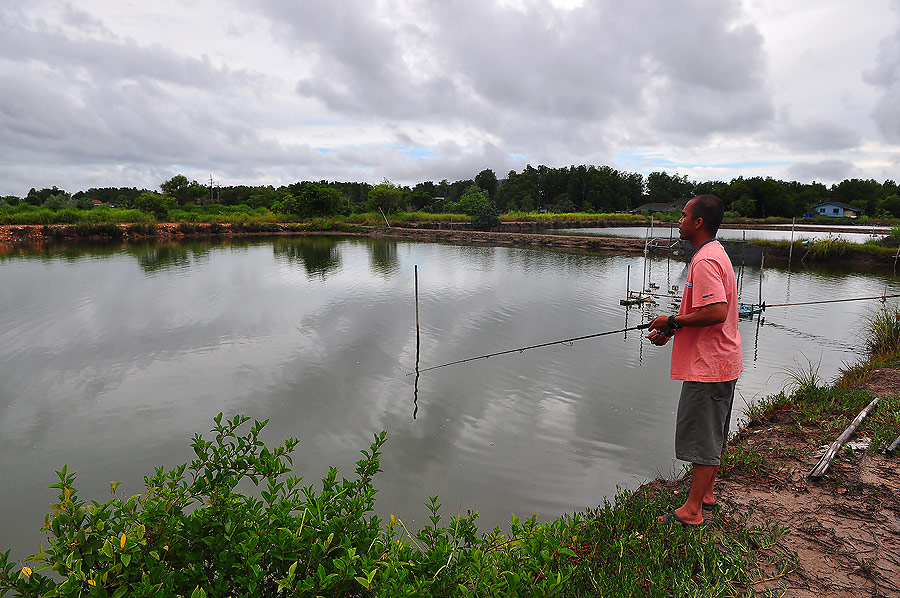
<point>802,379</point>
<point>881,338</point>
<point>824,249</point>
<point>883,331</point>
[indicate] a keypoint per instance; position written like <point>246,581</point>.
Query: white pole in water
<point>762,265</point>
<point>644,278</point>
<point>791,250</point>
<point>416,270</point>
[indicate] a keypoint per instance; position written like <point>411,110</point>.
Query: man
<point>706,354</point>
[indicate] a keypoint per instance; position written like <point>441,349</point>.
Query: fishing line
<point>521,349</point>
<point>764,306</point>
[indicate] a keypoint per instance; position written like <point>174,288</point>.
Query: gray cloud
<point>535,72</point>
<point>826,171</point>
<point>817,136</point>
<point>279,91</point>
<point>886,76</point>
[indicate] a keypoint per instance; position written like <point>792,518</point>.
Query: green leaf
<point>120,592</point>
<point>568,552</point>
<point>362,581</point>
<point>126,559</point>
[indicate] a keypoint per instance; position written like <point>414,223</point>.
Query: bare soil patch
<point>844,529</point>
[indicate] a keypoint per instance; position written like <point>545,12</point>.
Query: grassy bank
<point>822,250</point>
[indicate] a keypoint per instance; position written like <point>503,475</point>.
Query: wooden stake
<point>894,445</point>
<point>825,462</point>
<point>628,282</point>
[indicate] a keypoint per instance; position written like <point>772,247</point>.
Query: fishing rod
<point>521,349</point>
<point>762,306</point>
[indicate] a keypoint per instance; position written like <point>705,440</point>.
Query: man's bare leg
<point>703,477</point>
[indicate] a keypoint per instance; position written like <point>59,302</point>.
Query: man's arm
<point>708,315</point>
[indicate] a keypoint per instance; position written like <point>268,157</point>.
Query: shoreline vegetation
<point>192,533</point>
<point>41,226</point>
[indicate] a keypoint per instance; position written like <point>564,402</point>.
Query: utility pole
<point>210,189</point>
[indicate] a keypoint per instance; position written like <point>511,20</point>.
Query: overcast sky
<point>125,93</point>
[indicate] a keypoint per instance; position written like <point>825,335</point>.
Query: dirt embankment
<point>512,239</point>
<point>844,529</point>
<point>37,234</point>
<point>514,234</point>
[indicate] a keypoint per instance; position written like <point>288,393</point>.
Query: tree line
<point>586,189</point>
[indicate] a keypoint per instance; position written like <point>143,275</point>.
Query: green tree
<point>515,188</point>
<point>891,205</point>
<point>387,197</point>
<point>314,199</point>
<point>476,203</point>
<point>745,206</point>
<point>487,180</point>
<point>59,201</point>
<point>155,204</point>
<point>322,200</point>
<point>563,205</point>
<point>37,198</point>
<point>663,187</point>
<point>184,191</point>
<point>263,197</point>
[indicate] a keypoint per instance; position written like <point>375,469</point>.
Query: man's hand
<point>659,338</point>
<point>660,333</point>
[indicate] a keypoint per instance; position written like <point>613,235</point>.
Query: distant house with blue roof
<point>836,209</point>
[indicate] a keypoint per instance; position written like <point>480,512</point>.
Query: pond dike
<point>738,251</point>
<point>513,239</point>
<point>513,234</point>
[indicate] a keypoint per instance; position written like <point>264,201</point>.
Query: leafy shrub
<point>108,230</point>
<point>485,217</point>
<point>190,529</point>
<point>143,229</point>
<point>192,534</point>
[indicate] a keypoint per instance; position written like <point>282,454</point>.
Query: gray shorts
<point>701,427</point>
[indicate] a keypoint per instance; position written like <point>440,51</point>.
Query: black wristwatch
<point>672,323</point>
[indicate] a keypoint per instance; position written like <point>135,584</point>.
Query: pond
<point>782,233</point>
<point>112,357</point>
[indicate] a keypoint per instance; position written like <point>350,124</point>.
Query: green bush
<point>190,533</point>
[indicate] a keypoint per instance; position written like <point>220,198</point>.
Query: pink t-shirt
<point>709,353</point>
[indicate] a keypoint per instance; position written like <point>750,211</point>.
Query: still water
<point>111,358</point>
<point>783,233</point>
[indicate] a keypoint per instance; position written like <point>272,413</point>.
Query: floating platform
<point>747,310</point>
<point>634,298</point>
